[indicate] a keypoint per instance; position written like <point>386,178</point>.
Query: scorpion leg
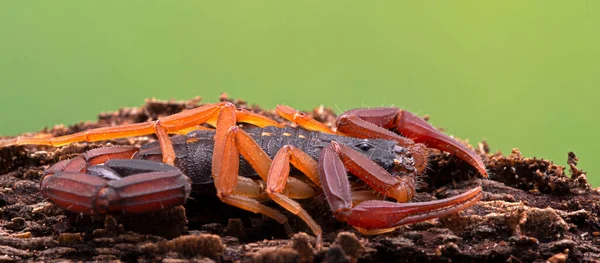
<point>373,123</point>
<point>301,119</point>
<point>374,216</point>
<point>260,161</point>
<point>79,186</point>
<point>230,143</point>
<point>161,127</point>
<point>225,167</point>
<point>359,196</point>
<point>278,177</point>
<point>225,174</point>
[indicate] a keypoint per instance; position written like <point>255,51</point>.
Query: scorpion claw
<point>420,131</point>
<point>384,215</point>
<point>374,123</point>
<point>376,216</point>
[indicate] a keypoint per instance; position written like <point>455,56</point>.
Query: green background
<point>516,73</point>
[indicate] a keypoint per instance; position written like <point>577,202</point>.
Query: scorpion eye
<point>364,146</point>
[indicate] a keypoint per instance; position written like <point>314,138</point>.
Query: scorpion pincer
<point>249,163</point>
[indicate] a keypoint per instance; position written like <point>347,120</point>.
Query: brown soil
<point>532,210</point>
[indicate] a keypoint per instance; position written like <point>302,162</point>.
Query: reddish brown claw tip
<point>420,131</point>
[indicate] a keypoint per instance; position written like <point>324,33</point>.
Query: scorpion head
<point>388,154</point>
<point>403,161</point>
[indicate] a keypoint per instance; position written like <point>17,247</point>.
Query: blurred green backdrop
<point>516,73</point>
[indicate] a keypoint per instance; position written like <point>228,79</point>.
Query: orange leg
<point>225,166</point>
<point>301,119</point>
<point>233,141</point>
<point>359,196</point>
<point>278,177</point>
<point>161,127</point>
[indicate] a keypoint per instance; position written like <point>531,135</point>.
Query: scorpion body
<point>194,151</point>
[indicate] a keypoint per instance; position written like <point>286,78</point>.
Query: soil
<point>532,211</point>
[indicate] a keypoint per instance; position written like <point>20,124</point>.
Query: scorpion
<point>386,148</point>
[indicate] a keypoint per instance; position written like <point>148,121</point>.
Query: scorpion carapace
<point>366,145</point>
<point>194,151</point>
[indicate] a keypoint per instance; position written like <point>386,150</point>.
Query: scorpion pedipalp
<point>375,216</point>
<point>375,122</point>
